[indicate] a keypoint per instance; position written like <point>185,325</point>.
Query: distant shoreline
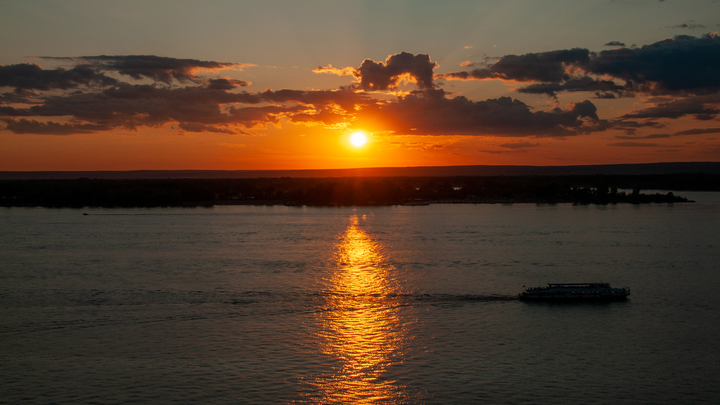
<point>421,171</point>
<point>352,191</point>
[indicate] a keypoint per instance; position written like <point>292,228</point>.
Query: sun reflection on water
<point>361,329</point>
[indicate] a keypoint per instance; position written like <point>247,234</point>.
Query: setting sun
<point>358,139</point>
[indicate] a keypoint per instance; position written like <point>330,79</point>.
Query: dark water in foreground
<point>367,305</point>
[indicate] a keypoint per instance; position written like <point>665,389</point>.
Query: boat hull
<point>575,292</point>
<point>574,299</point>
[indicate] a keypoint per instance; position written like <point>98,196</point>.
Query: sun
<point>358,139</point>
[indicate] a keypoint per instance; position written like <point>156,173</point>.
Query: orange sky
<point>433,98</point>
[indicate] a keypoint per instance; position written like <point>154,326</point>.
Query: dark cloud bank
<point>683,64</point>
<point>96,93</point>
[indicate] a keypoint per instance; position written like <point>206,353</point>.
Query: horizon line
<point>407,171</point>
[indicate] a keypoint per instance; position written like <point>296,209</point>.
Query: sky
<point>263,85</point>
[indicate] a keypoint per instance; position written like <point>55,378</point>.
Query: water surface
<point>366,305</point>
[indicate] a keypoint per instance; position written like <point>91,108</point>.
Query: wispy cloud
<point>634,144</point>
<point>346,71</point>
<point>690,26</point>
<point>519,145</point>
<point>652,136</point>
<point>701,107</point>
<point>157,68</point>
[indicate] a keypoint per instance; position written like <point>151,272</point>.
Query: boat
<point>575,292</point>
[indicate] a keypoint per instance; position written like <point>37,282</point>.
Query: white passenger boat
<point>575,292</point>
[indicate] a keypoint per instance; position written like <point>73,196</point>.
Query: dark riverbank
<point>347,191</point>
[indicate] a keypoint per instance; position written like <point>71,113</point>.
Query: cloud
<point>29,76</point>
<point>14,112</point>
<point>19,96</point>
<point>432,113</point>
<point>602,88</point>
<point>158,68</point>
<point>518,145</point>
<point>98,102</point>
<point>531,67</point>
<point>699,131</point>
<point>209,106</point>
<point>344,99</point>
<point>374,76</point>
<point>132,106</point>
<point>346,71</point>
<point>383,76</point>
<point>90,72</point>
<point>226,84</point>
<point>419,145</point>
<point>631,125</point>
<point>109,103</point>
<point>324,116</point>
<point>634,144</point>
<point>24,126</point>
<point>688,26</point>
<point>197,108</point>
<point>702,107</point>
<point>196,127</point>
<point>615,43</point>
<point>654,136</point>
<point>682,63</point>
<point>679,65</point>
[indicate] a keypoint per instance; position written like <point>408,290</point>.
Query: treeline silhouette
<point>349,191</point>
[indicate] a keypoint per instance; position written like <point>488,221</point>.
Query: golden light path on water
<point>361,329</point>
